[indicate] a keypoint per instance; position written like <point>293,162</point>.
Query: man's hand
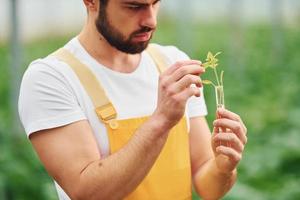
<point>175,89</point>
<point>228,140</point>
<point>214,169</point>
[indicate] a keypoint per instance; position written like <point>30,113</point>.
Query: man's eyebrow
<point>139,3</point>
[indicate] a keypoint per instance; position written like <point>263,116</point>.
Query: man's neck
<point>96,45</point>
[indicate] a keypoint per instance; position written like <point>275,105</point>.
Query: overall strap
<point>103,107</point>
<point>158,58</point>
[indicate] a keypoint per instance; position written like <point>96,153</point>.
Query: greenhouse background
<point>260,44</point>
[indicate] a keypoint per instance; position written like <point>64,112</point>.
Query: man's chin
<point>136,47</point>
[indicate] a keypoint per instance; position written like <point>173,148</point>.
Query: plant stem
<point>216,74</point>
<point>222,74</point>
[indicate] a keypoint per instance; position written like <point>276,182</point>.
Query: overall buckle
<point>107,114</point>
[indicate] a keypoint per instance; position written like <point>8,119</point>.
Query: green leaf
<point>205,65</point>
<point>222,74</point>
<point>217,54</point>
<point>209,56</point>
<point>207,82</point>
<point>211,60</point>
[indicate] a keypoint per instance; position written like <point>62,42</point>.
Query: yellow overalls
<point>170,176</point>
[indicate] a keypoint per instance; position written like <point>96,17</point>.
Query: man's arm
<point>71,156</point>
<point>214,165</point>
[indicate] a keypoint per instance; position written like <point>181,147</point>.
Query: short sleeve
<point>196,106</point>
<point>46,99</point>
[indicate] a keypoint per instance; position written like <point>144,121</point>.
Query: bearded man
<point>114,117</point>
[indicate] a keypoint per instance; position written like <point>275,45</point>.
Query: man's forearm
<point>119,174</point>
<point>210,183</point>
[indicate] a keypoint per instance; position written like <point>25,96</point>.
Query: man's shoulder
<point>48,63</point>
<point>47,69</point>
<point>165,48</point>
<point>50,60</point>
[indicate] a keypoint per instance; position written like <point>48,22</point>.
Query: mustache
<point>144,29</point>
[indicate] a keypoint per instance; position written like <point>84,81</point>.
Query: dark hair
<point>103,2</point>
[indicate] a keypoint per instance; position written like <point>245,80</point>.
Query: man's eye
<point>134,7</point>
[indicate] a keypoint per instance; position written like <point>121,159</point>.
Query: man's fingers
<point>186,70</point>
<point>230,140</point>
<point>216,130</point>
<point>187,93</point>
<point>234,126</point>
<point>231,153</point>
<point>185,82</point>
<point>228,114</point>
<point>223,113</point>
<point>179,64</point>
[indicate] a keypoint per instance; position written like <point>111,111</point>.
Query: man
<point>136,145</point>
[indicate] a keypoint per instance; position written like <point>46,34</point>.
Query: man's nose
<point>149,18</point>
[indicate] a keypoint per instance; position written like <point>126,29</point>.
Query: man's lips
<point>142,37</point>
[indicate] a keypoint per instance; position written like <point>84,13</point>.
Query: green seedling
<point>212,62</point>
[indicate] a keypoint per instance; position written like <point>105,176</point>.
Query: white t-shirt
<point>51,95</point>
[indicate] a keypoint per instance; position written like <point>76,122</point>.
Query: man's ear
<point>91,5</point>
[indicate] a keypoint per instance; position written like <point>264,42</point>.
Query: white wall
<point>250,11</point>
<point>39,17</point>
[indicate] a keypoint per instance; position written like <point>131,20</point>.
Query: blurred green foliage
<point>261,84</point>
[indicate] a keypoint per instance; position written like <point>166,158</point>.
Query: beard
<point>116,39</point>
